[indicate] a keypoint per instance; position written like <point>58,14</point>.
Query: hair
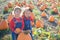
<point>17,9</point>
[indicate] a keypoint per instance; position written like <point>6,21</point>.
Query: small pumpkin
<point>10,5</point>
<point>42,8</point>
<point>53,6</point>
<point>59,14</point>
<point>38,3</point>
<point>3,25</point>
<point>51,19</point>
<point>31,2</point>
<point>6,8</point>
<point>39,24</point>
<point>43,14</point>
<point>19,5</point>
<point>55,10</point>
<point>31,6</point>
<point>24,2</point>
<point>10,17</point>
<point>45,5</point>
<point>49,0</point>
<point>23,36</point>
<point>16,3</point>
<point>17,30</point>
<point>32,23</point>
<point>32,15</point>
<point>27,5</point>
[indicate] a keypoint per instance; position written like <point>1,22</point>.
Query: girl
<point>16,24</point>
<point>27,22</point>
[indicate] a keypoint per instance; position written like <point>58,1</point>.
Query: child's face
<point>17,13</point>
<point>27,13</point>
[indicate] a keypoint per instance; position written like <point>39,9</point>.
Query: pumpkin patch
<point>45,19</point>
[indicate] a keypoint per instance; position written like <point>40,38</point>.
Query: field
<point>43,28</point>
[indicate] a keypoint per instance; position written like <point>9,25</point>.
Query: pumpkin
<point>16,3</point>
<point>39,24</point>
<point>19,5</point>
<point>24,2</point>
<point>3,25</point>
<point>17,30</point>
<point>32,15</point>
<point>31,2</point>
<point>59,14</point>
<point>10,5</point>
<point>55,10</point>
<point>43,14</point>
<point>32,23</point>
<point>58,22</point>
<point>10,17</point>
<point>27,5</point>
<point>31,6</point>
<point>23,36</point>
<point>42,8</point>
<point>39,2</point>
<point>53,6</point>
<point>51,19</point>
<point>6,8</point>
<point>45,5</point>
<point>48,0</point>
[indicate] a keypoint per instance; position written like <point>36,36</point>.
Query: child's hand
<point>27,31</point>
<point>17,30</point>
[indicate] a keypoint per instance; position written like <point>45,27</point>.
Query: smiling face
<point>17,12</point>
<point>27,13</point>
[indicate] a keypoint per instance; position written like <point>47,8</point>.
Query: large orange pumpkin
<point>39,24</point>
<point>10,17</point>
<point>3,25</point>
<point>6,8</point>
<point>43,14</point>
<point>51,19</point>
<point>10,5</point>
<point>23,36</point>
